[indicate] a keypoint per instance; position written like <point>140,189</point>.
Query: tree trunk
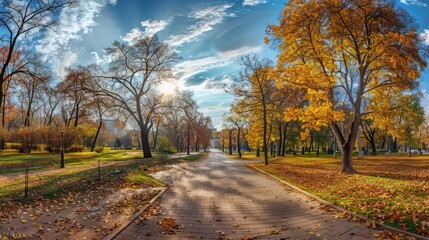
<point>189,140</point>
<point>279,145</point>
<point>155,137</point>
<point>258,152</point>
<point>230,142</point>
<point>96,135</point>
<point>238,143</point>
<point>3,120</point>
<point>77,116</point>
<point>347,156</point>
<point>144,133</point>
<point>265,134</point>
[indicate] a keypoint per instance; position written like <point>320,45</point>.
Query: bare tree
<point>131,77</point>
<point>19,19</point>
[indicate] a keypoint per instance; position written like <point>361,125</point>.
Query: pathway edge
<point>117,231</point>
<point>378,224</point>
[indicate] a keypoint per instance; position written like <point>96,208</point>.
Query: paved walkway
<point>220,198</point>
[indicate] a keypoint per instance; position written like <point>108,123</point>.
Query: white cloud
<point>73,22</point>
<point>151,28</point>
<point>255,2</point>
<point>187,69</point>
<point>208,17</point>
<point>414,2</point>
<point>425,36</point>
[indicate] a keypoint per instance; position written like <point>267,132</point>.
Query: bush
<point>99,149</point>
<point>75,149</point>
<point>165,145</point>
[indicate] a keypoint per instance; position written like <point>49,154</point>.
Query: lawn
<point>41,181</point>
<point>390,189</point>
<point>16,162</point>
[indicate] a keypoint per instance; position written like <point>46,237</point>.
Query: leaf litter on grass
<point>392,190</point>
<point>89,210</point>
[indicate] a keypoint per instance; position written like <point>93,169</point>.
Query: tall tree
<point>341,51</point>
<point>130,80</point>
<point>190,110</point>
<point>19,19</point>
<point>256,86</point>
<point>239,120</point>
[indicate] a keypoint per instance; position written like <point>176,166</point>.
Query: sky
<point>210,38</point>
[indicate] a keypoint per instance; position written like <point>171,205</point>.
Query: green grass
<point>14,188</point>
<point>137,176</point>
<point>16,162</point>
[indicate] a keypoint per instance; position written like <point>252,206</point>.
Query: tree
<point>257,88</point>
<point>19,19</point>
<point>340,52</point>
<point>239,119</point>
<point>190,110</point>
<point>130,80</point>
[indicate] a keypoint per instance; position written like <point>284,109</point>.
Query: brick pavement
<point>220,198</point>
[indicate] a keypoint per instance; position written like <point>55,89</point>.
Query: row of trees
<point>343,68</point>
<point>125,89</point>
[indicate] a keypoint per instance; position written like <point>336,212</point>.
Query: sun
<point>167,88</point>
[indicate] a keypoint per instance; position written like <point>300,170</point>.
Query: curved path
<point>219,198</point>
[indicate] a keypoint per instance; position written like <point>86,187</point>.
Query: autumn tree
<point>257,88</point>
<point>130,80</point>
<point>338,52</point>
<point>239,119</point>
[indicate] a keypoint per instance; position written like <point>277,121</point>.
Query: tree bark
<point>96,136</point>
<point>189,140</point>
<point>265,132</point>
<point>347,156</point>
<point>144,134</point>
<point>279,145</point>
<point>238,143</point>
<point>230,142</point>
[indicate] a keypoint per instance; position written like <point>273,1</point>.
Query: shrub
<point>99,149</point>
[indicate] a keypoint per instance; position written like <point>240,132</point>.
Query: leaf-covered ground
<point>90,210</point>
<point>389,189</point>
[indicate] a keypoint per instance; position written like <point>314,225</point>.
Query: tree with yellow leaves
<point>340,52</point>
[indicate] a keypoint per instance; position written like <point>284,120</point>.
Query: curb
<point>117,231</point>
<point>380,225</point>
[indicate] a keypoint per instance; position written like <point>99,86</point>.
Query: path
<point>220,198</point>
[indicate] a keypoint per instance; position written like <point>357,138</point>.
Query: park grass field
<point>11,161</point>
<point>79,166</point>
<point>390,189</point>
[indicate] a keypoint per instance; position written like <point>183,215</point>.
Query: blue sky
<point>209,36</point>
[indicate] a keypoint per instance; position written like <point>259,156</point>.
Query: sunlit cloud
<point>414,2</point>
<point>207,17</point>
<point>425,36</point>
<point>72,23</point>
<point>187,69</point>
<point>151,28</point>
<point>253,2</point>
